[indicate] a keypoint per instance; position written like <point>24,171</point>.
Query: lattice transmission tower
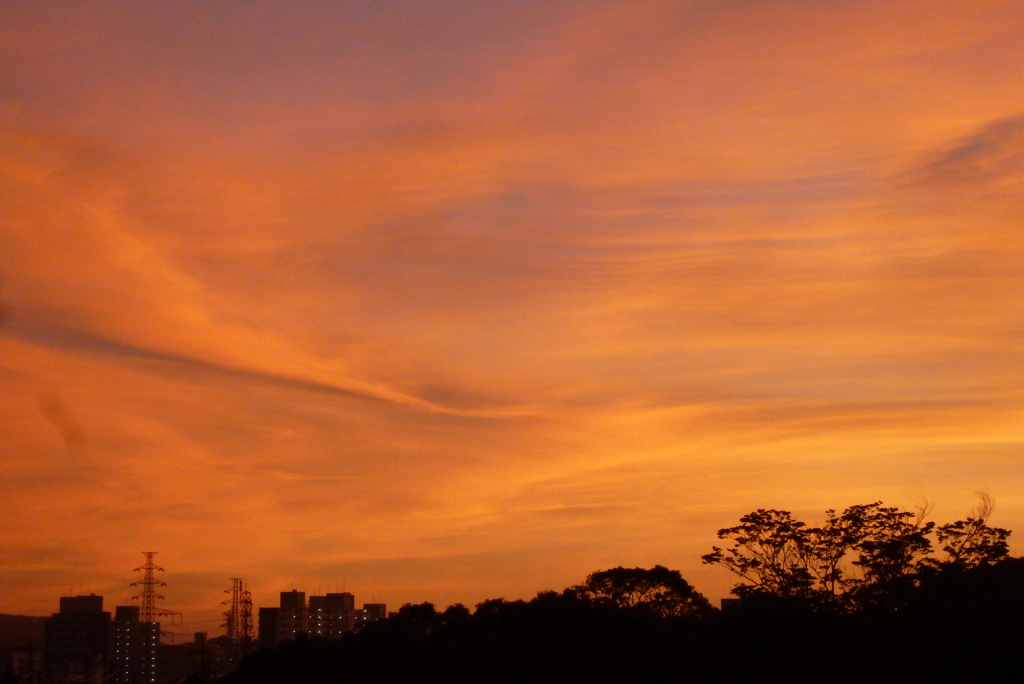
<point>238,616</point>
<point>148,596</point>
<point>247,631</point>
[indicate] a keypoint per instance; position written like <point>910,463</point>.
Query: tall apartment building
<point>133,647</point>
<point>292,617</point>
<point>77,639</point>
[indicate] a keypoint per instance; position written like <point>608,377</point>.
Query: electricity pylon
<point>238,616</point>
<point>148,610</point>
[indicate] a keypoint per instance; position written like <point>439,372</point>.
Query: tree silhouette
<point>971,542</point>
<point>893,542</point>
<point>419,615</point>
<point>660,590</point>
<point>828,545</point>
<point>455,614</point>
<point>777,555</point>
<point>771,551</point>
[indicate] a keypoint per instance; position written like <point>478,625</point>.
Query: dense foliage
<point>870,555</point>
<point>858,599</point>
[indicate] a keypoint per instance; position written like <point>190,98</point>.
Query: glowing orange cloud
<point>449,303</point>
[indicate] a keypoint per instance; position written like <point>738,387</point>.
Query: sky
<point>453,301</point>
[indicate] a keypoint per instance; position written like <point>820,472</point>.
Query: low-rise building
<point>327,617</point>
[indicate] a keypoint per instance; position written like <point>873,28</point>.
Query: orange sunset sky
<point>446,301</point>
